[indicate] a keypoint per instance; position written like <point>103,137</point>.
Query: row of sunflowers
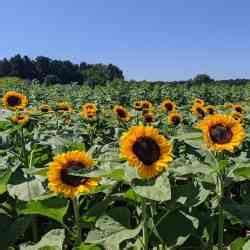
<point>119,176</point>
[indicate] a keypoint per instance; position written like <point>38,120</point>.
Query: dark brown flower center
<point>90,116</point>
<point>148,118</point>
<point>20,117</point>
<point>45,109</point>
<point>121,113</point>
<point>13,101</point>
<point>147,150</point>
<point>63,109</point>
<point>138,106</point>
<point>220,134</point>
<point>201,112</point>
<point>210,111</point>
<point>238,109</point>
<point>145,105</point>
<point>169,106</point>
<point>72,180</point>
<point>175,120</point>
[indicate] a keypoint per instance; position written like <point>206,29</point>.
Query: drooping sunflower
<point>20,119</point>
<point>211,110</point>
<point>221,132</point>
<point>146,150</point>
<point>199,101</point>
<point>89,107</point>
<point>45,108</point>
<point>168,105</point>
<point>174,118</point>
<point>138,105</point>
<point>148,117</point>
<point>60,178</point>
<point>64,107</point>
<point>121,113</point>
<point>14,100</point>
<point>199,111</point>
<point>146,105</point>
<point>238,108</point>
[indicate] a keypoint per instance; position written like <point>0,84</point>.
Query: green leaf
<point>96,211</point>
<point>53,240</point>
<point>4,178</point>
<point>158,189</point>
<point>27,190</point>
<point>121,214</point>
<point>36,171</point>
<point>115,174</point>
<point>238,243</point>
<point>246,245</point>
<point>243,172</point>
<point>11,231</point>
<point>190,195</point>
<point>182,167</point>
<point>176,227</point>
<point>84,246</point>
<point>132,195</point>
<point>111,233</point>
<point>54,208</point>
<point>239,211</point>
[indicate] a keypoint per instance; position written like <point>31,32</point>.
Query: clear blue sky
<point>153,40</point>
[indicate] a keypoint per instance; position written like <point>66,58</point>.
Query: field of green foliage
<point>124,166</point>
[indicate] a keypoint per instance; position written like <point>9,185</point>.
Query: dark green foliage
<point>62,71</point>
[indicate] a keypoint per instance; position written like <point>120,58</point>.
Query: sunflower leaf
<point>158,190</point>
<point>53,240</point>
<point>54,208</point>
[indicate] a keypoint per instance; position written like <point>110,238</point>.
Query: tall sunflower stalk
<point>149,153</point>
<point>62,181</point>
<point>221,134</point>
<point>28,164</point>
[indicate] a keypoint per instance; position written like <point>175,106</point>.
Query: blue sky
<point>153,40</point>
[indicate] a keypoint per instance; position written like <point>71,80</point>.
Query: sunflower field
<point>124,166</point>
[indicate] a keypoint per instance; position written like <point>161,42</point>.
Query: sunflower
<point>89,107</point>
<point>211,110</point>
<point>138,105</point>
<point>64,107</point>
<point>238,108</point>
<point>228,105</point>
<point>148,117</point>
<point>20,119</point>
<point>221,132</point>
<point>88,115</point>
<point>174,118</point>
<point>14,100</point>
<point>121,113</point>
<point>146,150</point>
<point>238,116</point>
<point>61,181</point>
<point>199,111</point>
<point>168,105</point>
<point>146,105</point>
<point>199,101</point>
<point>45,108</point>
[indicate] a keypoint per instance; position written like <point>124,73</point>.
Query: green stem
<point>145,226</point>
<point>221,214</point>
<point>28,164</point>
<point>75,203</point>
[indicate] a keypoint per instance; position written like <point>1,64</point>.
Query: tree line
<point>53,71</point>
